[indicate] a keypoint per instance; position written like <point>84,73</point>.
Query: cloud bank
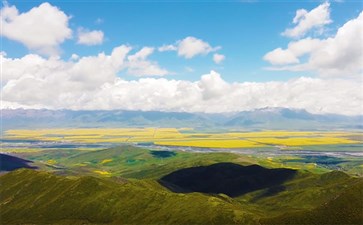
<point>92,83</point>
<point>44,80</point>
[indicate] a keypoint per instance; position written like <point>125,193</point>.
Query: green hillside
<point>345,208</point>
<point>38,197</point>
<point>129,161</point>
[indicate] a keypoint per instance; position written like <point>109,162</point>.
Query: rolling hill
<point>37,197</point>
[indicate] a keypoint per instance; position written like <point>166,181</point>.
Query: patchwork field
<point>189,138</point>
<point>82,150</point>
<point>261,182</point>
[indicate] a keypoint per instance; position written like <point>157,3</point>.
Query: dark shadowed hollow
<point>10,163</point>
<point>162,154</point>
<point>227,178</point>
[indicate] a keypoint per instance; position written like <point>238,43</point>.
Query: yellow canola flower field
<point>177,137</point>
<point>273,134</point>
<point>112,134</point>
<point>212,143</point>
<point>106,161</point>
<point>51,162</point>
<point>102,172</point>
<point>303,141</point>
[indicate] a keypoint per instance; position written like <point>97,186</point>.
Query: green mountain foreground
<point>176,189</point>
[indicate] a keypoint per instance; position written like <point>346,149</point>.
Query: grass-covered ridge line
<point>28,196</point>
<point>127,161</point>
<point>134,162</point>
<point>39,197</point>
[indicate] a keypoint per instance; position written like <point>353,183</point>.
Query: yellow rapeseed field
<point>303,141</point>
<point>106,161</point>
<point>102,172</point>
<point>206,143</point>
<point>176,137</point>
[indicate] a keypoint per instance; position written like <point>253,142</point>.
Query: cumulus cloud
<point>305,21</point>
<point>92,83</point>
<point>142,54</point>
<point>280,57</point>
<point>81,73</point>
<point>74,57</point>
<point>190,47</point>
<point>86,37</point>
<point>166,48</point>
<point>51,77</point>
<point>340,55</point>
<point>218,58</point>
<point>291,54</point>
<point>138,64</point>
<point>41,29</point>
<point>212,86</point>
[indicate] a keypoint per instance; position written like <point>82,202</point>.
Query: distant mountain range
<point>265,118</point>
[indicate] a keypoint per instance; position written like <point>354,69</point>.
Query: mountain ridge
<point>264,118</point>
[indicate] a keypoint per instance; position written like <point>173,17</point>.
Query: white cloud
<point>165,48</point>
<point>41,29</point>
<point>138,64</point>
<point>212,86</point>
<point>218,58</point>
<point>94,37</point>
<point>142,54</point>
<point>79,73</point>
<point>14,105</point>
<point>53,76</point>
<point>291,54</point>
<point>92,83</point>
<point>281,57</point>
<point>305,21</point>
<point>340,55</point>
<point>74,57</point>
<point>190,47</point>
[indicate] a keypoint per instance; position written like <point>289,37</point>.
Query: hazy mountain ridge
<point>265,118</point>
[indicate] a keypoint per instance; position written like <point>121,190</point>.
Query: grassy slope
<point>39,197</point>
<point>28,196</point>
<point>345,208</point>
<point>305,192</point>
<point>131,162</point>
<point>297,198</point>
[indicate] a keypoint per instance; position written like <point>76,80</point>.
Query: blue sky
<point>245,31</point>
<point>251,38</point>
